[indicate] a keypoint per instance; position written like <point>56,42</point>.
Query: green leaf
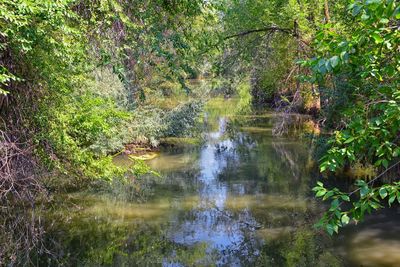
<point>396,13</point>
<point>3,92</point>
<point>364,17</point>
<point>328,195</point>
<point>345,219</point>
<point>396,152</point>
<point>356,9</point>
<point>364,191</point>
<point>391,199</point>
<point>349,140</point>
<point>378,39</point>
<point>384,21</point>
<point>385,163</point>
<point>334,61</point>
<point>322,168</point>
<point>334,204</point>
<point>321,193</point>
<point>315,189</point>
<point>382,192</point>
<point>374,205</point>
<point>345,198</point>
<point>329,229</point>
<point>369,2</point>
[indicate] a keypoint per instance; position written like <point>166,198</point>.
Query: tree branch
<point>326,12</point>
<point>267,29</point>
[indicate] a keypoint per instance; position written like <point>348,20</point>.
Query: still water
<point>240,198</point>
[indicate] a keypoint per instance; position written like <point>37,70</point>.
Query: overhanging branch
<point>270,29</point>
<point>267,29</point>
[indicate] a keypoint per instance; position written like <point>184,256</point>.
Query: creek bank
<point>143,151</point>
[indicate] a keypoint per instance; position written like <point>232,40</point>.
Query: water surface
<point>240,198</point>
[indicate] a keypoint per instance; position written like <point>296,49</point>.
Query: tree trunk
<point>326,11</point>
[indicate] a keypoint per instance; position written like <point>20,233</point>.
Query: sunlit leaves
<point>365,199</point>
<point>5,78</point>
<point>368,60</point>
<point>378,39</point>
<point>345,219</point>
<point>22,24</point>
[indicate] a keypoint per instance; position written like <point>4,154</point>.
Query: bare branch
<point>267,29</point>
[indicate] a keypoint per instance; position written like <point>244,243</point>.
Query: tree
<point>269,37</point>
<point>361,65</point>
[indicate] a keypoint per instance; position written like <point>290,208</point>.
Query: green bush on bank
<point>82,135</point>
<point>359,66</point>
<point>65,106</point>
<point>77,110</point>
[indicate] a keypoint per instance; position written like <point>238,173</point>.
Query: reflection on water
<point>229,236</point>
<point>240,199</point>
<point>376,242</point>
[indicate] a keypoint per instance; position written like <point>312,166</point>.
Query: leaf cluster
<point>366,60</point>
<point>346,207</point>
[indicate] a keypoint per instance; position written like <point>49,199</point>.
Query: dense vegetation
<point>341,61</point>
<point>81,79</point>
<point>360,70</point>
<point>78,81</point>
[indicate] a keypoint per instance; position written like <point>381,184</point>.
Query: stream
<point>240,198</point>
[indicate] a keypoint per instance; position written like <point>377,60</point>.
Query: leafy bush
<point>367,61</point>
<point>83,134</point>
<point>181,120</point>
<point>69,71</point>
<point>245,97</point>
<point>107,84</point>
<point>147,126</point>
